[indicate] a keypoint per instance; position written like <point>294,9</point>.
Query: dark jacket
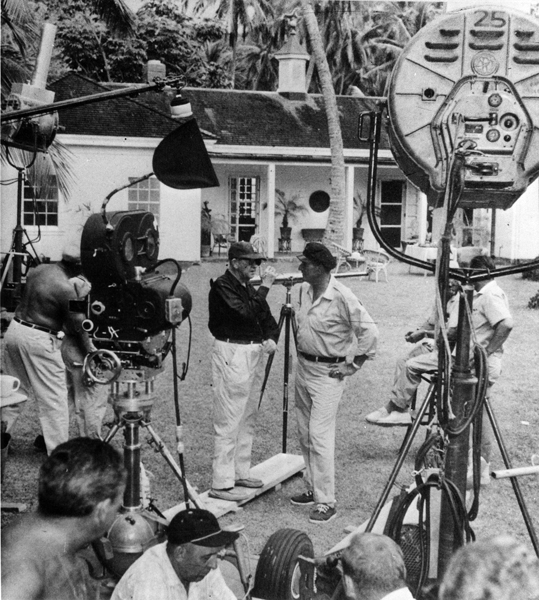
<point>240,312</point>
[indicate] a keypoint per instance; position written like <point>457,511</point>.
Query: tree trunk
<point>335,225</point>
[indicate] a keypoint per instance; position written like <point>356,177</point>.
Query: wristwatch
<point>351,363</point>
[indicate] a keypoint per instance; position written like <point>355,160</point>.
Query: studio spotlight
<point>180,107</point>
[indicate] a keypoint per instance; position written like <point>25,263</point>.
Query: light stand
<point>462,381</point>
<point>18,253</point>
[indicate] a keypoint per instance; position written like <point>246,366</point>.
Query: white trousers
<point>34,357</point>
<point>317,400</point>
<point>88,402</point>
<point>423,358</point>
<point>236,372</point>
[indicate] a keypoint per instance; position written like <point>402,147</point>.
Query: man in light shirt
<point>185,567</point>
<point>335,336</point>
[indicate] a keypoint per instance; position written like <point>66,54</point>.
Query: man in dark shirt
<point>244,330</point>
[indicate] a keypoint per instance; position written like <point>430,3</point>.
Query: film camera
<point>135,299</point>
<point>131,313</point>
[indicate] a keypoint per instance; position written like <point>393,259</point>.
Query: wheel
<point>277,573</point>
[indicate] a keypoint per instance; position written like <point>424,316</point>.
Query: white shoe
<point>394,418</point>
<point>376,415</point>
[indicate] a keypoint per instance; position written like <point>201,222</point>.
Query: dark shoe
<point>231,495</point>
<point>249,482</point>
<point>39,444</point>
<point>304,499</point>
<point>323,513</point>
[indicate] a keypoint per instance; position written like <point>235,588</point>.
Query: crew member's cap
<point>200,527</point>
<point>318,254</point>
<point>243,250</point>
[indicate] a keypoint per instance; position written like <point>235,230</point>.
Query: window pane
<point>145,195</point>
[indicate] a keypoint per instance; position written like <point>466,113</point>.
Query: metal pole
<point>456,459</point>
<point>18,231</point>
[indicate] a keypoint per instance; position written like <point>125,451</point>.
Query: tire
<point>277,573</point>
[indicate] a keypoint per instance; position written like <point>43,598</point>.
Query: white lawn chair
<point>377,261</point>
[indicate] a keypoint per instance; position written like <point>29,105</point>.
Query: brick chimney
<point>292,59</point>
<point>154,69</point>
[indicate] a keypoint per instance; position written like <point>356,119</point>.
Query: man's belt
<point>34,326</point>
<point>323,359</point>
<point>235,341</point>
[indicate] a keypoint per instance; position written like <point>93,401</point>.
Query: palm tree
<point>20,35</point>
<point>240,17</point>
<point>335,225</point>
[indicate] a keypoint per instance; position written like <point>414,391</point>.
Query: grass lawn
<point>365,454</point>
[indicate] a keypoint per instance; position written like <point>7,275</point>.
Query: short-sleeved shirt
<point>336,324</point>
<point>490,306</point>
<point>152,577</point>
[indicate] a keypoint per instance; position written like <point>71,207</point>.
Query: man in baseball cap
<point>244,250</point>
<point>245,331</point>
<point>186,565</point>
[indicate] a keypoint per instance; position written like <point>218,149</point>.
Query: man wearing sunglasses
<point>244,330</point>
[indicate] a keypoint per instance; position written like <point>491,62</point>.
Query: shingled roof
<point>235,118</point>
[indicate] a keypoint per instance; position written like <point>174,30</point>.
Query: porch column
<point>349,207</point>
<point>270,191</point>
<point>421,216</point>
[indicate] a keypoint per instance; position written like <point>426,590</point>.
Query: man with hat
<point>335,335</point>
<point>244,330</point>
<point>32,346</point>
<point>185,566</point>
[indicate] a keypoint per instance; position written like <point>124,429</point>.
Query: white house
<point>259,142</point>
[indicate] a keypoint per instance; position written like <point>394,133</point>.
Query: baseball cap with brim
<point>200,527</point>
<point>318,254</point>
<point>244,250</point>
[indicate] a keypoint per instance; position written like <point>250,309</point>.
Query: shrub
<point>534,301</point>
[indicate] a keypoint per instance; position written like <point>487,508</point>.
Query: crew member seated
<point>422,358</point>
<point>186,565</point>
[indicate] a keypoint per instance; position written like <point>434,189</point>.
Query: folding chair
<point>221,242</point>
<point>377,262</point>
<point>342,255</point>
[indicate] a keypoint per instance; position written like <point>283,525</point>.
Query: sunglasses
<point>252,261</point>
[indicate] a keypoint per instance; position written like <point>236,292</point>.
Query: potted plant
<point>205,230</point>
<point>289,209</point>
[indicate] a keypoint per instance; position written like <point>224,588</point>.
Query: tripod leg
<point>514,480</point>
<point>400,460</point>
<point>112,432</point>
<point>172,463</point>
<point>270,358</point>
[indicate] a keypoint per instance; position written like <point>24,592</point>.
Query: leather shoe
<point>249,482</point>
<point>39,444</point>
<point>231,495</point>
